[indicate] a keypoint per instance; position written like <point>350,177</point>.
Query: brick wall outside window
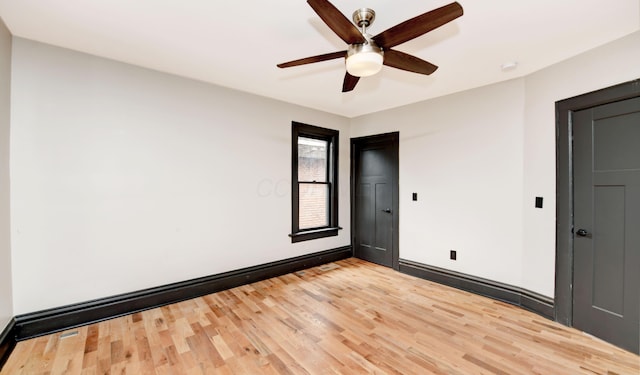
<point>313,202</point>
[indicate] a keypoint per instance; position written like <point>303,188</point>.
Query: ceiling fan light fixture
<point>366,54</point>
<point>364,60</point>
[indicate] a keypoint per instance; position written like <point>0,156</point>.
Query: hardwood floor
<point>348,317</point>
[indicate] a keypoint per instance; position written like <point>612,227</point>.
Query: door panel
<point>606,295</point>
<point>608,249</point>
<point>363,220</point>
<point>383,211</point>
<point>375,207</point>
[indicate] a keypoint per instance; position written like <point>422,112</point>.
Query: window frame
<point>331,136</point>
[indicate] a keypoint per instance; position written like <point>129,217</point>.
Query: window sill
<point>314,234</point>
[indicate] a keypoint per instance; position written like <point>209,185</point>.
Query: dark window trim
<point>330,135</point>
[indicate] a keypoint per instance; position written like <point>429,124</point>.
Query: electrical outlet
<point>453,255</point>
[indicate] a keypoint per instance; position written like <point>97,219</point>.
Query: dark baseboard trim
<point>529,300</point>
<point>71,316</point>
<point>7,341</point>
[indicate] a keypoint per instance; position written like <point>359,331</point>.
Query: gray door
<point>606,295</point>
<point>375,198</point>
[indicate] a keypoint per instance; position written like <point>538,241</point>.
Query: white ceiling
<point>237,44</point>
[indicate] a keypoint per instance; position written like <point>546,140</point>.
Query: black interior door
<point>375,198</point>
<point>606,152</point>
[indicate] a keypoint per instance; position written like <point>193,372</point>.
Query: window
<point>314,182</point>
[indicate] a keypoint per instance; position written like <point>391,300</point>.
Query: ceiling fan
<point>366,54</point>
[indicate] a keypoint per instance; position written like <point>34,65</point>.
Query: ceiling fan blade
<point>417,26</point>
<point>337,21</point>
<point>349,82</point>
<point>313,59</point>
<point>404,61</point>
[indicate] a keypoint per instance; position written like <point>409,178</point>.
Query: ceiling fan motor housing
<point>363,17</point>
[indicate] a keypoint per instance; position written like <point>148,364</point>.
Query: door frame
<point>393,140</point>
<point>564,187</point>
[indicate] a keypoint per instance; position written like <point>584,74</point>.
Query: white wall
<point>462,154</point>
<point>6,305</point>
<point>478,159</point>
<point>608,65</point>
<point>125,178</point>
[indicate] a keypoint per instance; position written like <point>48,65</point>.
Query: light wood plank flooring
<point>348,317</point>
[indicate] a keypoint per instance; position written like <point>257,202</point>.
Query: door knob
<point>582,233</point>
<point>387,210</point>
